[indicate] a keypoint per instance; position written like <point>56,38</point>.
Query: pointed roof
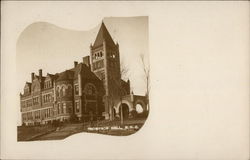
<point>102,35</point>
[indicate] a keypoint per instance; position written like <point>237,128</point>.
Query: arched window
<point>57,92</point>
<point>63,90</point>
<point>69,90</point>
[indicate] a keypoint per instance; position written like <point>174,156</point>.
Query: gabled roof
<point>51,76</point>
<point>27,84</point>
<point>84,70</point>
<point>102,35</point>
<point>87,73</point>
<point>66,75</point>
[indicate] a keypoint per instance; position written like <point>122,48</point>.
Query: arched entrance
<point>124,111</point>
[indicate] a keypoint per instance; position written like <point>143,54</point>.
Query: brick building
<point>91,89</point>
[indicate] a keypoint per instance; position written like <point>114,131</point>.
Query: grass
<point>48,132</point>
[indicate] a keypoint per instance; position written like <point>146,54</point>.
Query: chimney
<point>40,73</point>
<point>75,63</point>
<point>86,61</point>
<point>32,76</point>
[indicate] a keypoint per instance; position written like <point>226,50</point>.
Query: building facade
<point>90,90</point>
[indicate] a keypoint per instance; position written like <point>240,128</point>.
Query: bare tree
<point>146,71</point>
<point>124,71</point>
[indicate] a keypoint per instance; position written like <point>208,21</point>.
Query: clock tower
<point>105,63</point>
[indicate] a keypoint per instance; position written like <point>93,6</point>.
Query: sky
<point>54,49</point>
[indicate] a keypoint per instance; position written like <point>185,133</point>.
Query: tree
<point>146,70</point>
<point>124,71</point>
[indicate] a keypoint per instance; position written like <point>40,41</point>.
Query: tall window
<point>77,106</point>
<point>57,92</point>
<point>69,91</point>
<point>76,90</point>
<point>64,108</point>
<point>46,98</point>
<point>58,108</point>
<point>35,100</point>
<point>63,90</point>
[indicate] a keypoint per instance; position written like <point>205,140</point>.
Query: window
<point>35,101</point>
<point>57,92</point>
<point>46,98</point>
<point>63,90</point>
<point>61,108</point>
<point>69,109</point>
<point>47,84</point>
<point>77,107</point>
<point>51,112</point>
<point>64,108</point>
<point>69,90</point>
<point>76,90</point>
<point>98,64</point>
<point>39,114</point>
<point>58,108</point>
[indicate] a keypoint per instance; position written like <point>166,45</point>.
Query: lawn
<point>48,132</point>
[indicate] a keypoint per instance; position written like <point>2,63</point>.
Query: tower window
<point>77,107</point>
<point>76,89</point>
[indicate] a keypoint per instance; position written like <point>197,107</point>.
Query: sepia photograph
<point>91,95</point>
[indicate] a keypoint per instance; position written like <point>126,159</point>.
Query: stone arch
<point>124,110</point>
<point>127,103</point>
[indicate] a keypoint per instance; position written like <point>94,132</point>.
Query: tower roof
<point>102,35</point>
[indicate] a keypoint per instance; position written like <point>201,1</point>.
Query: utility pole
<point>121,113</point>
